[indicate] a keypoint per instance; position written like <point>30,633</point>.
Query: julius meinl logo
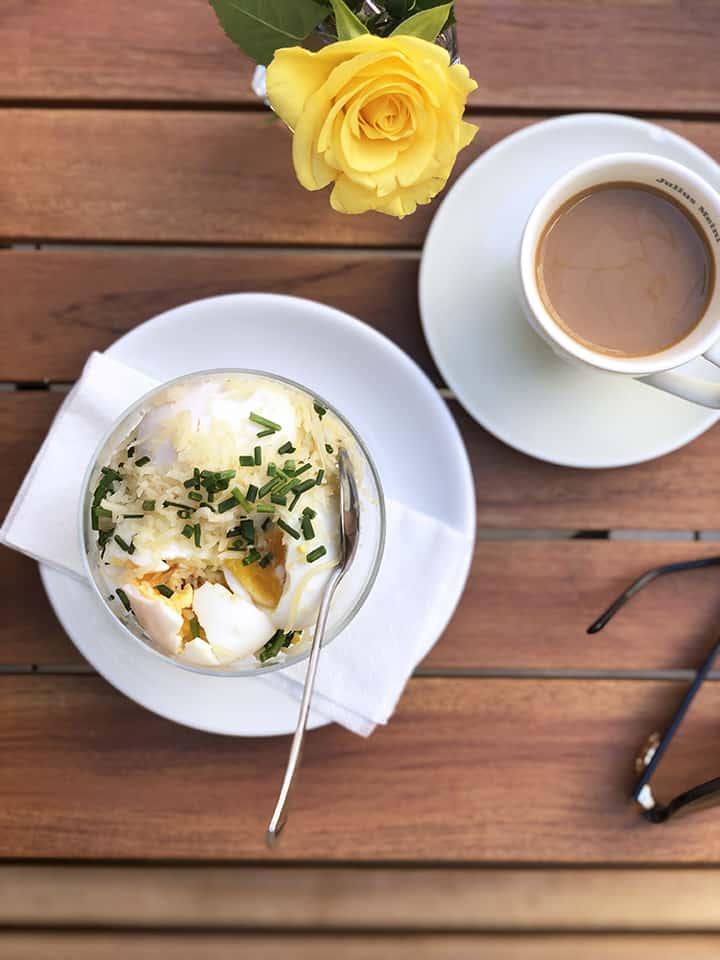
<point>702,210</point>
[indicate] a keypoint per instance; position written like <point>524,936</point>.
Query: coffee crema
<point>624,269</point>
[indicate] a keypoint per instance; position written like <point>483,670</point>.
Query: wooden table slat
<point>58,306</point>
<point>513,491</point>
<point>526,607</point>
<point>149,946</point>
<point>521,771</point>
<point>374,899</point>
<point>226,178</point>
<point>522,53</point>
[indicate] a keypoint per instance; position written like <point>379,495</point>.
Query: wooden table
<point>138,172</point>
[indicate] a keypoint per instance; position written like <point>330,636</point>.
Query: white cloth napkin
<point>361,674</point>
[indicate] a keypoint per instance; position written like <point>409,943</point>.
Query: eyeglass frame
<point>656,745</point>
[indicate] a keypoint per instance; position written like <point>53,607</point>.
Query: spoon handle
<point>280,814</point>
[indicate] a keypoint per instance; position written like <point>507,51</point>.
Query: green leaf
<point>259,27</point>
<point>425,25</point>
<point>348,25</point>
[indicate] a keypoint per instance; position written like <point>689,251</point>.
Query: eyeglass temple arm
<point>670,733</point>
<point>660,813</point>
<point>643,581</point>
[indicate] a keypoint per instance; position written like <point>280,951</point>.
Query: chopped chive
<point>194,495</point>
<point>265,433</point>
<point>165,591</point>
<point>271,470</point>
<point>240,497</point>
<point>221,485</point>
<point>102,512</point>
<point>207,474</point>
<point>288,529</point>
<point>307,528</point>
<point>234,532</point>
<point>179,506</point>
<point>131,452</point>
<point>149,505</point>
<point>294,501</point>
<point>265,508</point>
<point>319,409</point>
<point>286,448</point>
<point>305,485</point>
<point>319,477</point>
<point>264,422</point>
<point>194,628</point>
<point>127,547</point>
<point>123,598</point>
<point>252,557</point>
<point>247,530</point>
<point>316,554</point>
<point>247,461</point>
<point>238,545</point>
<point>278,498</point>
<point>289,468</point>
<point>210,496</point>
<point>142,461</point>
<point>190,482</point>
<point>251,493</point>
<point>273,647</point>
<point>301,470</point>
<point>196,477</point>
<point>227,504</point>
<point>133,516</point>
<point>197,534</point>
<point>270,485</point>
<point>266,523</point>
<point>289,638</point>
<point>187,530</point>
<point>257,453</point>
<point>328,448</point>
<point>309,512</point>
<point>110,473</point>
<point>266,560</point>
<point>226,474</point>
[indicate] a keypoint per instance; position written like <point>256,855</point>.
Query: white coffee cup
<point>664,369</point>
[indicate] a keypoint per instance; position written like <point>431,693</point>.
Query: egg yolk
<point>264,585</point>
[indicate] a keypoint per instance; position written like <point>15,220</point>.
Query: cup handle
<point>704,392</point>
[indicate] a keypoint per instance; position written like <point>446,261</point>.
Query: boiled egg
<point>159,616</point>
<point>199,653</point>
<point>233,625</point>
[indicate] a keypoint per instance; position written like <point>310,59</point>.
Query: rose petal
<point>292,77</point>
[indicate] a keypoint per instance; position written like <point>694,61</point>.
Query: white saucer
<point>502,372</point>
<point>389,400</point>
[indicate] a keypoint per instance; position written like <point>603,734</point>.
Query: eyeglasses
<point>652,752</point>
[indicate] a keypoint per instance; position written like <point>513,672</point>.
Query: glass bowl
<point>355,585</point>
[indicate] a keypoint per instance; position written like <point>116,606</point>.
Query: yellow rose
<point>381,117</point>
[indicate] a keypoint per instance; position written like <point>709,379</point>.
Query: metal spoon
<point>349,533</point>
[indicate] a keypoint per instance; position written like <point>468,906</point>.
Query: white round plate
<point>501,371</point>
<point>384,395</point>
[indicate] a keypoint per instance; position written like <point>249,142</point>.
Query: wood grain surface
<point>521,771</point>
<point>478,817</point>
<point>335,898</point>
<point>551,53</point>
<point>99,946</point>
<point>58,306</point>
<point>513,491</point>
<point>189,177</point>
<point>526,607</point>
